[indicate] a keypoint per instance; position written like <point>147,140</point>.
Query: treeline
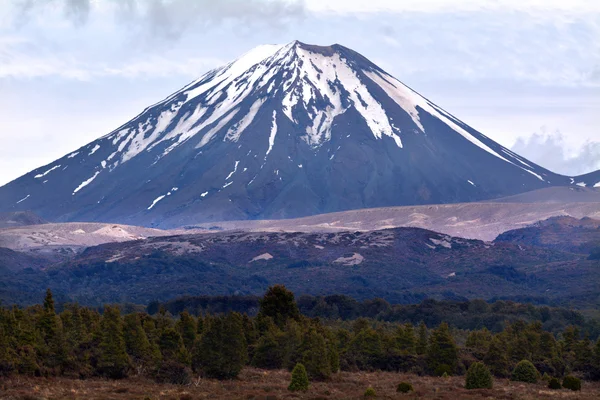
<point>81,342</point>
<point>467,315</point>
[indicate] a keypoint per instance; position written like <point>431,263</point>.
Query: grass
<point>255,384</point>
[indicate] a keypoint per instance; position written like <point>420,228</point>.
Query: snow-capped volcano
<point>283,131</point>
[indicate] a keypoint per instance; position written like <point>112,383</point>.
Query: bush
<point>524,372</point>
<point>442,370</point>
<point>173,372</point>
<point>478,377</point>
<point>570,382</point>
<point>404,387</point>
<point>299,379</point>
<point>554,384</point>
<point>370,392</point>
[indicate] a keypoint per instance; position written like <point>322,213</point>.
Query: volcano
<point>284,131</point>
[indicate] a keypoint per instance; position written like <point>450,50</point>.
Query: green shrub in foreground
<point>570,382</point>
<point>299,379</point>
<point>404,387</point>
<point>525,372</point>
<point>478,377</point>
<point>370,392</point>
<point>554,384</point>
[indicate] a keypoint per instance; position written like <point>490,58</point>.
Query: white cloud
<point>552,151</point>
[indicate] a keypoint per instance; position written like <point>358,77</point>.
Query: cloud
<point>164,18</point>
<point>551,151</point>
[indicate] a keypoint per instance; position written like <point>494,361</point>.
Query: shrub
<point>554,384</point>
<point>570,382</point>
<point>370,392</point>
<point>478,377</point>
<point>404,387</point>
<point>299,379</point>
<point>173,372</point>
<point>442,370</point>
<point>524,372</point>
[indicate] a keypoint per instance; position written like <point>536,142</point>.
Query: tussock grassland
<point>261,384</point>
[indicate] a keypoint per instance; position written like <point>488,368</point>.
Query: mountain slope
<point>400,265</point>
<point>284,131</point>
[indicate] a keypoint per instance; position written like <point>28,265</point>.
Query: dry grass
<point>254,384</point>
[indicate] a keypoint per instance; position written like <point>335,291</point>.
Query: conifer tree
<point>314,356</point>
<point>268,353</point>
<point>221,351</point>
<point>405,339</point>
<point>279,304</point>
<point>172,347</point>
<point>113,362</point>
<point>7,354</point>
<point>139,348</point>
<point>421,346</point>
<point>496,358</point>
<point>187,328</point>
<point>442,352</point>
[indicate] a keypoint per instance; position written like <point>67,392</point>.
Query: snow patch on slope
<point>47,172</point>
<point>85,183</point>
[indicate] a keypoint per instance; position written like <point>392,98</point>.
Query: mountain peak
<point>282,131</point>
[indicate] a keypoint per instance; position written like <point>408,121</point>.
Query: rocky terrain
<point>402,265</point>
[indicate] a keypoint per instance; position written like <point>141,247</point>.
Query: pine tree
<point>172,347</point>
<point>113,362</point>
<point>405,339</point>
<point>221,351</point>
<point>442,352</point>
<point>365,350</point>
<point>279,304</point>
<point>7,354</point>
<point>299,379</point>
<point>139,348</point>
<point>268,353</point>
<point>315,357</point>
<point>187,328</point>
<point>421,346</point>
<point>496,358</point>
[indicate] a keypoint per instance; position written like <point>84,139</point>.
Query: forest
<point>83,343</point>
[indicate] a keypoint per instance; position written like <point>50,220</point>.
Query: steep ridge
<point>284,131</point>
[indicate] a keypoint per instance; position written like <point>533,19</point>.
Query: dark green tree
<point>496,358</point>
<point>172,347</point>
<point>442,352</point>
<point>188,328</point>
<point>143,354</point>
<point>315,357</point>
<point>7,354</point>
<point>279,304</point>
<point>221,351</point>
<point>406,340</point>
<point>421,346</point>
<point>113,361</point>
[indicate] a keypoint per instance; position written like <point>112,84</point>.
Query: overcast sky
<point>524,72</point>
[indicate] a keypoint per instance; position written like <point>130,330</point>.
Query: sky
<point>524,72</point>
